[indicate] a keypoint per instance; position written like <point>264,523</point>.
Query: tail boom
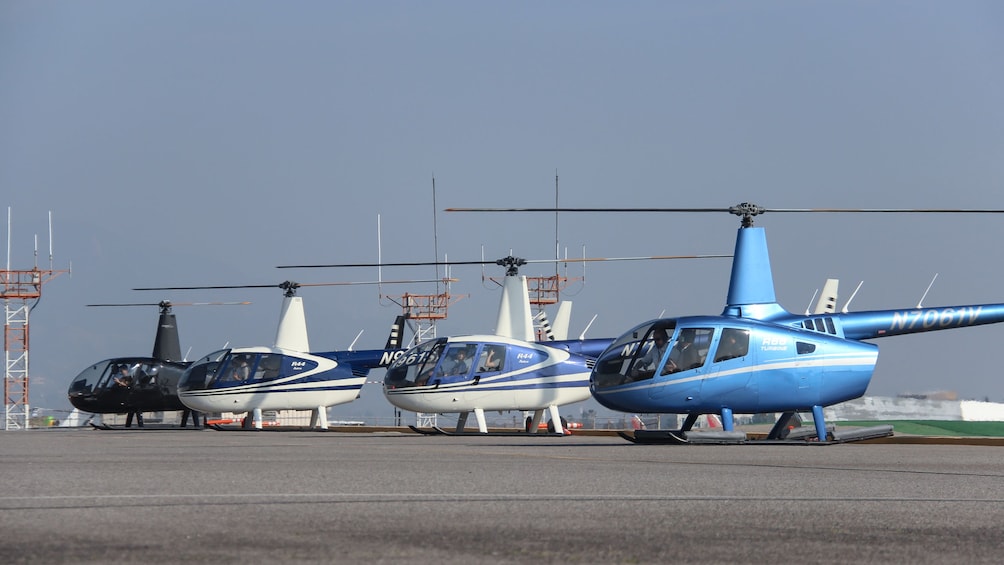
<point>884,323</point>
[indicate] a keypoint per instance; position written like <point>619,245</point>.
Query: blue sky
<point>190,143</point>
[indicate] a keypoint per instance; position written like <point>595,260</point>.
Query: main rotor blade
<point>586,209</point>
<point>286,284</point>
<point>170,303</point>
<point>891,210</point>
<point>404,264</point>
<point>745,210</point>
<point>649,258</point>
<point>499,261</point>
<point>732,210</point>
<point>444,280</point>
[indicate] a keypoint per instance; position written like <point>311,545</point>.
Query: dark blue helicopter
<point>755,357</point>
<point>134,385</point>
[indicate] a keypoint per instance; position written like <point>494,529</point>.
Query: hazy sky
<point>201,143</point>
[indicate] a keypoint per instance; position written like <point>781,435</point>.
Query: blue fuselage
<point>779,368</point>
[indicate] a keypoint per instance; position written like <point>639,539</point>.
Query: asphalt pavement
<point>203,496</point>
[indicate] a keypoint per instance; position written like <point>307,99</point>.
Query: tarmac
<point>204,496</point>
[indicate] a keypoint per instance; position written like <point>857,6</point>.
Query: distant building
<point>931,406</point>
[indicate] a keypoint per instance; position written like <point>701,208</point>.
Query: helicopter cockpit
<point>110,385</point>
<point>226,368</point>
<point>647,351</point>
<point>121,373</point>
<point>438,362</point>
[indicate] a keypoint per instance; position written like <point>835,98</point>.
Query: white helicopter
<point>286,375</point>
<point>504,371</point>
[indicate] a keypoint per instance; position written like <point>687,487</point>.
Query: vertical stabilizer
<point>167,346</point>
<point>515,319</point>
<point>561,320</point>
<point>292,331</point>
<point>396,337</point>
<point>827,303</point>
<point>751,289</point>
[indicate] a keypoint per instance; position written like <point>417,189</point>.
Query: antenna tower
<point>424,310</point>
<point>21,290</point>
<point>546,291</point>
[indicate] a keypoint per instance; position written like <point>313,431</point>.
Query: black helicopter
<point>134,385</point>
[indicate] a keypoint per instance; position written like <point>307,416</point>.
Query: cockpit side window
<point>734,343</point>
<point>689,350</point>
<point>457,360</point>
<point>268,367</point>
<point>240,368</point>
<point>492,359</point>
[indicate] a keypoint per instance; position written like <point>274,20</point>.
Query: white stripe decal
<point>818,362</point>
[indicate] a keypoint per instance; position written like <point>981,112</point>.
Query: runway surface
<point>202,496</point>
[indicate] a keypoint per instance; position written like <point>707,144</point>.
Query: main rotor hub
<point>746,211</point>
<point>290,288</point>
<point>165,306</point>
<point>512,265</point>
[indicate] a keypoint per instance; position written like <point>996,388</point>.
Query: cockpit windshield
<point>125,374</point>
<point>635,356</point>
<point>415,365</point>
<point>226,368</point>
<point>661,348</point>
<point>198,376</point>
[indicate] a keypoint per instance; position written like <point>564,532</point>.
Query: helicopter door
<point>144,384</point>
<point>456,364</point>
<point>685,367</point>
<point>725,377</point>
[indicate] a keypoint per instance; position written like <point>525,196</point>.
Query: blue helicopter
<point>755,357</point>
<point>286,375</point>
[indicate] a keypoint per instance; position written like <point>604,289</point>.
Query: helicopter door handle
<point>477,379</point>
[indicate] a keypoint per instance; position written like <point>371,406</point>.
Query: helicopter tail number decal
<point>867,325</point>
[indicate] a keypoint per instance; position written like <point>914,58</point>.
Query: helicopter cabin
<point>441,362</point>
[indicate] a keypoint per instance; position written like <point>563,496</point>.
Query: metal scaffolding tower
<point>20,291</point>
<point>424,310</point>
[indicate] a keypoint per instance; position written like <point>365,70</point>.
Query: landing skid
<point>146,428</point>
<point>437,431</point>
<point>224,428</point>
<point>678,437</point>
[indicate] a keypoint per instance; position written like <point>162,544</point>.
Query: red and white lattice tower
<point>424,310</point>
<point>20,291</point>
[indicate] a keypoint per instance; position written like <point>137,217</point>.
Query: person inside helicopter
<point>268,367</point>
<point>458,365</point>
<point>491,359</point>
<point>240,369</point>
<point>684,355</point>
<point>122,377</point>
<point>645,366</point>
